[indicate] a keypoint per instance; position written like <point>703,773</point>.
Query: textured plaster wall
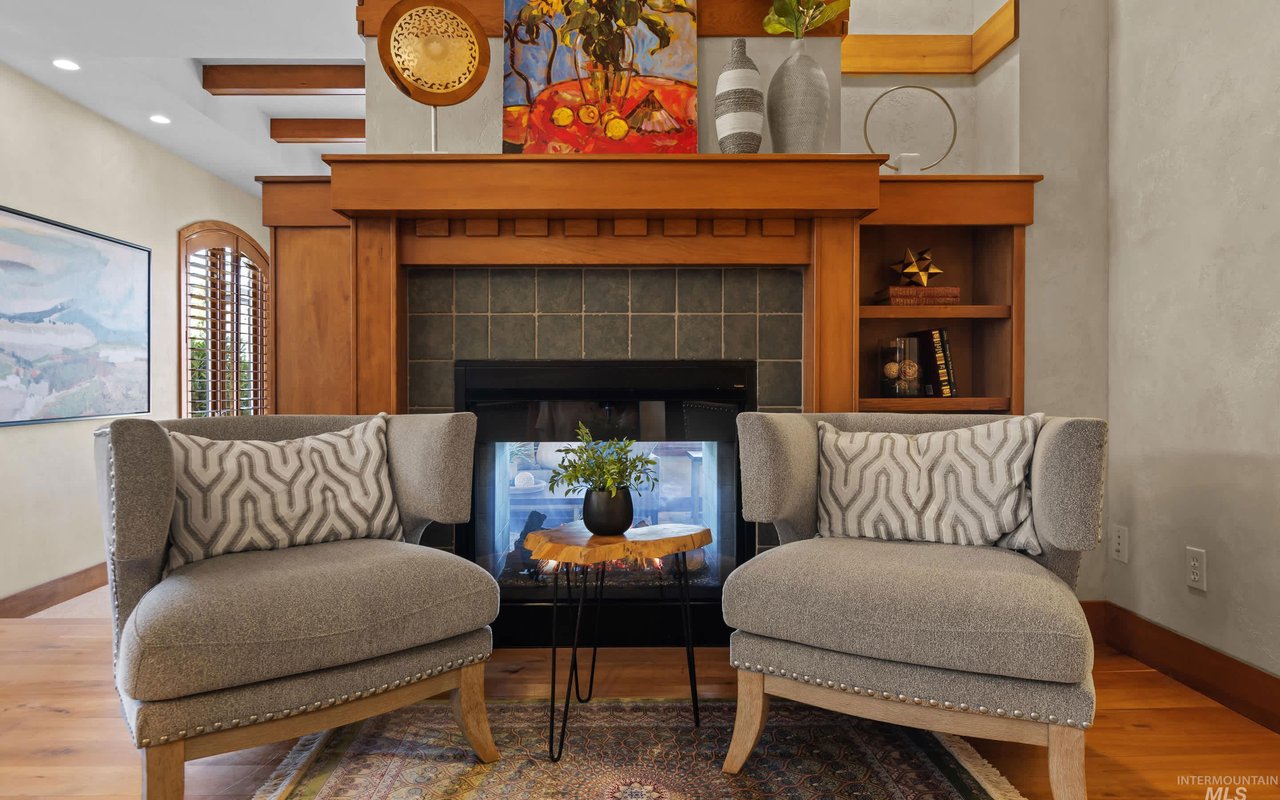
<point>915,16</point>
<point>397,124</point>
<point>60,160</point>
<point>995,115</point>
<point>1063,134</point>
<point>1195,334</point>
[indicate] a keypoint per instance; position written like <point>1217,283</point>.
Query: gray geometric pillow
<point>235,496</point>
<point>965,486</point>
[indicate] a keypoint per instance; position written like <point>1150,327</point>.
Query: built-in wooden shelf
<point>936,312</point>
<point>934,405</point>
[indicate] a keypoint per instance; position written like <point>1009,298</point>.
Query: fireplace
<point>682,413</point>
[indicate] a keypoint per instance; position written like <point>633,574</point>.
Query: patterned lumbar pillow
<point>235,496</point>
<point>965,486</point>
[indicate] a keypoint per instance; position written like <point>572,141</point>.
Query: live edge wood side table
<point>574,548</point>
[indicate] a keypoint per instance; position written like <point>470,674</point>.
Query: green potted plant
<point>799,94</point>
<point>606,471</point>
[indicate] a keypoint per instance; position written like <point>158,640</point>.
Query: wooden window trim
<point>213,235</point>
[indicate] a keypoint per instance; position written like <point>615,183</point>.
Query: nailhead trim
<point>254,719</point>
<point>111,570</point>
<point>1035,716</point>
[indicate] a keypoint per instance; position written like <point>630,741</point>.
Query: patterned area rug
<point>633,750</point>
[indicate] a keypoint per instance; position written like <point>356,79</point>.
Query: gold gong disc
<point>435,52</point>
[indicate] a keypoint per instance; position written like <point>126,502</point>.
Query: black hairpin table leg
<point>595,643</point>
<point>555,746</point>
<point>682,575</point>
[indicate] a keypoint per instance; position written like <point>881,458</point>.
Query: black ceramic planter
<point>606,515</point>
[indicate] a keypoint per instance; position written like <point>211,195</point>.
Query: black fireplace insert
<point>683,413</point>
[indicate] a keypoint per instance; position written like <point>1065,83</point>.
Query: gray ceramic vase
<point>739,103</point>
<point>799,102</point>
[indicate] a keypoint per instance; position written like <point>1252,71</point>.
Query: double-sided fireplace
<point>683,413</point>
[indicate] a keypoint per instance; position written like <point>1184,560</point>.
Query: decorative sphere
<point>891,370</point>
<point>910,370</point>
<point>525,480</point>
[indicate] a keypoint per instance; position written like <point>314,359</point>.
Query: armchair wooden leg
<point>469,710</point>
<point>1066,763</point>
<point>753,710</point>
<point>164,771</point>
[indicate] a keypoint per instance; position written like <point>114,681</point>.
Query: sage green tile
<point>698,336</point>
<point>430,336</point>
<point>699,290</point>
<point>560,336</point>
<point>512,336</point>
<point>653,336</point>
<point>559,291</point>
<point>605,336</point>
<point>471,336</point>
<point>782,336</point>
<point>653,290</point>
<point>511,291</point>
<point>430,290</point>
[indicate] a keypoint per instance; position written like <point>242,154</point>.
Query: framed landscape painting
<point>585,76</point>
<point>75,323</point>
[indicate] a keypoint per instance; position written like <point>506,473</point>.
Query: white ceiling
<point>143,57</point>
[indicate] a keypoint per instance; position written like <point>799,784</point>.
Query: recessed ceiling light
<point>160,119</point>
<point>66,63</point>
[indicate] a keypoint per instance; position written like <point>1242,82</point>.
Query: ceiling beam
<point>715,17</point>
<point>283,79</point>
<point>304,131</point>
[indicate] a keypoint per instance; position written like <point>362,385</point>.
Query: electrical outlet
<point>1197,569</point>
<point>1120,543</point>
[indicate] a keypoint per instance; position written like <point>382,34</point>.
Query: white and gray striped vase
<point>799,102</point>
<point>739,103</point>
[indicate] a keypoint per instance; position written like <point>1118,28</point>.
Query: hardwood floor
<point>61,734</point>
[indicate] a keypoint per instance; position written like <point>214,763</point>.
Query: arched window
<point>225,337</point>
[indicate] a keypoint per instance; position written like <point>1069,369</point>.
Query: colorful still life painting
<point>600,76</point>
<point>74,323</point>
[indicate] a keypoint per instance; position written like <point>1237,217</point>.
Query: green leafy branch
<point>603,466</point>
<point>798,17</point>
<point>601,26</point>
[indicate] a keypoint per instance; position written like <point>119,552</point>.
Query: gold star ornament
<point>917,269</point>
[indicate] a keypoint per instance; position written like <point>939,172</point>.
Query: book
<point>939,372</point>
<point>918,296</point>
<point>951,369</point>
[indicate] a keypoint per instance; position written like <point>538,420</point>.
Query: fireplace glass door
<point>697,485</point>
<point>689,430</point>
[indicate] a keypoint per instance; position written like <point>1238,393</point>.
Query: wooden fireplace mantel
<point>342,248</point>
<point>599,186</point>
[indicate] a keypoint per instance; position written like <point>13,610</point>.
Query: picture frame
<point>75,322</point>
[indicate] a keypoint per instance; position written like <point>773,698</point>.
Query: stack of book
<point>939,375</point>
<point>919,296</point>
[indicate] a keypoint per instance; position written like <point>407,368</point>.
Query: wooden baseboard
<point>38,598</point>
<point>1096,612</point>
<point>1240,687</point>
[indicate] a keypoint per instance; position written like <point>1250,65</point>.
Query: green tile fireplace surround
<point>602,314</point>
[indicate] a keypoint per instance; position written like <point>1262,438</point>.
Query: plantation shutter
<point>225,336</point>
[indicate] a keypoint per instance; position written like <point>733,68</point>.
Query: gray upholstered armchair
<point>978,641</point>
<point>247,648</point>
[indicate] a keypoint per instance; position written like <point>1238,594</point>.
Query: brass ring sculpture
<point>955,127</point>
